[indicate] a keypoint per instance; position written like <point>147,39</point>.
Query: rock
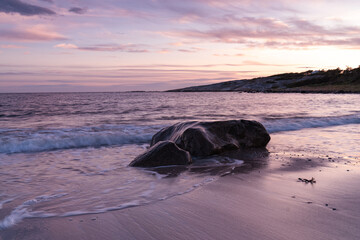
<point>163,153</point>
<point>312,180</point>
<point>208,138</point>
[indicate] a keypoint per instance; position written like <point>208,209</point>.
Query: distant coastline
<point>321,81</point>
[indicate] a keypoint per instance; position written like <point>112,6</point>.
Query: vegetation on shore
<point>336,80</point>
<point>321,81</point>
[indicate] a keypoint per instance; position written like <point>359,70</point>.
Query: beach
<point>179,120</point>
<point>65,174</point>
<point>265,200</point>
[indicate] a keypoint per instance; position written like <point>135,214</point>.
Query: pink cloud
<point>31,34</point>
<point>122,12</point>
<point>228,55</point>
<point>11,46</point>
<point>188,18</point>
<point>66,46</point>
<point>270,32</point>
<point>256,63</point>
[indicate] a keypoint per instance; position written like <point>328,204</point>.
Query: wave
<point>27,140</point>
<point>293,124</point>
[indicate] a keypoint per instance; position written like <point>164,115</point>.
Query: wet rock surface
<point>207,138</point>
<point>174,145</point>
<point>163,153</point>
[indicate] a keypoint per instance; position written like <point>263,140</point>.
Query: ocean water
<point>65,154</point>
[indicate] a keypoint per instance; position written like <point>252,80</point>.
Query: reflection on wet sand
<point>231,162</point>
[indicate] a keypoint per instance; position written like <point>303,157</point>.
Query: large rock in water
<point>163,153</point>
<point>208,138</point>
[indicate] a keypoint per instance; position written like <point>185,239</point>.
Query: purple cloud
<point>78,10</point>
<point>190,50</point>
<point>110,47</point>
<point>133,48</point>
<point>17,6</point>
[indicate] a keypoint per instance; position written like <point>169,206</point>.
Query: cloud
<point>126,79</point>
<point>78,10</point>
<point>35,33</point>
<point>228,55</point>
<point>66,46</point>
<point>191,50</point>
<point>271,32</point>
<point>11,46</point>
<point>186,51</point>
<point>123,12</point>
<point>134,48</point>
<point>256,63</point>
<point>17,6</point>
<point>15,73</point>
<point>205,68</point>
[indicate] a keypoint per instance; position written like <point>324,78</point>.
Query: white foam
<point>25,140</point>
<point>16,216</point>
<point>26,209</point>
<point>102,210</point>
<point>293,124</point>
<point>23,211</point>
<point>148,192</point>
<point>190,189</point>
<point>5,201</point>
<point>28,140</point>
<point>217,161</point>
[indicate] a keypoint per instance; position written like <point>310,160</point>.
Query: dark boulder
<point>163,153</point>
<point>208,138</point>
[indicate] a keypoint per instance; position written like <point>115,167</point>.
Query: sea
<point>67,154</point>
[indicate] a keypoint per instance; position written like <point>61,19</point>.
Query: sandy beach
<point>265,201</point>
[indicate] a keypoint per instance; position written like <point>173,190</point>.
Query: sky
<point>130,45</point>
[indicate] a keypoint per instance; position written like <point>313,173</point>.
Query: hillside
<point>329,81</point>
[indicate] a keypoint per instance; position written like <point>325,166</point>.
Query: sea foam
<point>29,140</point>
<point>24,140</point>
<point>294,124</point>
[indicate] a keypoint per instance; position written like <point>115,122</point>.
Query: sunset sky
<point>121,45</point>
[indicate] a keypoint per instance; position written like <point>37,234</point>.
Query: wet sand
<point>268,202</point>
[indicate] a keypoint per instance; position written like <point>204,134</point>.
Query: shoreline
<point>242,206</point>
<point>270,91</point>
<point>330,81</point>
<point>268,202</point>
